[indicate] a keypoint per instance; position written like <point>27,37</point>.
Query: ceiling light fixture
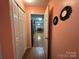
<point>40,19</point>
<point>39,24</point>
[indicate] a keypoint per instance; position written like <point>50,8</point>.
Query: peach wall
<point>5,30</point>
<point>0,49</point>
<point>65,35</point>
<point>31,10</point>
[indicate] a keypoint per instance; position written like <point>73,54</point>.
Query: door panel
<point>19,29</point>
<point>46,30</point>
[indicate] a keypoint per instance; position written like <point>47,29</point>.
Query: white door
<point>46,30</point>
<point>19,29</point>
<point>22,32</point>
<point>16,30</point>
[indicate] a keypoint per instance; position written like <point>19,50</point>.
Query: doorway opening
<point>37,30</point>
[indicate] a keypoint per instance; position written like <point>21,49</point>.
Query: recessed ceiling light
<point>29,1</point>
<point>40,19</point>
<point>38,24</point>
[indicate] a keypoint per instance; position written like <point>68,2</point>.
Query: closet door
<point>19,30</point>
<point>22,31</point>
<point>16,29</point>
<point>18,23</point>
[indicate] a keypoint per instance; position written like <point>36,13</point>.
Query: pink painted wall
<point>65,35</point>
<point>31,10</point>
<point>5,30</point>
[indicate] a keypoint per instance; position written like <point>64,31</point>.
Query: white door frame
<point>30,26</point>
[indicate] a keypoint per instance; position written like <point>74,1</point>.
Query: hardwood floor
<point>39,51</point>
<point>35,53</point>
<point>38,40</point>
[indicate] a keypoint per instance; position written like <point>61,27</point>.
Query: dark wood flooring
<point>35,53</point>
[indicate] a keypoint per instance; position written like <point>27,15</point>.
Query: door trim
<point>30,27</point>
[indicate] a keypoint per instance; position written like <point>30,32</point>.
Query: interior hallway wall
<point>0,52</point>
<point>31,10</point>
<point>5,30</point>
<point>0,49</point>
<point>65,35</point>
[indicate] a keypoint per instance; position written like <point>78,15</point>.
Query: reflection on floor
<point>35,53</point>
<point>38,50</point>
<point>38,40</point>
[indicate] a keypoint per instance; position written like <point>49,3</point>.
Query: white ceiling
<point>39,3</point>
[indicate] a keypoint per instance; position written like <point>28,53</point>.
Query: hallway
<point>16,30</point>
<point>39,29</point>
<point>38,49</point>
